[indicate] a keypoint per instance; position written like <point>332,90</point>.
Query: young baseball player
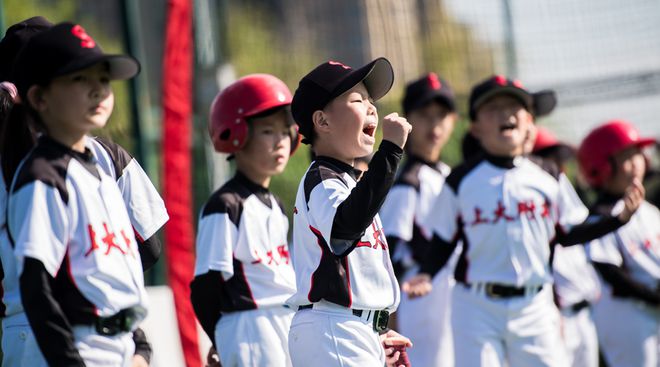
<point>429,106</point>
<point>507,211</point>
<point>627,316</point>
<point>576,284</point>
<point>147,212</point>
<point>346,286</point>
<point>80,275</point>
<point>243,272</point>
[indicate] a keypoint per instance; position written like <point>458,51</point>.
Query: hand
<point>139,361</point>
<point>632,199</point>
<point>396,129</point>
<point>417,286</point>
<point>212,358</point>
<point>395,346</point>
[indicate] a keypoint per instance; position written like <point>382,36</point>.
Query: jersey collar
<point>503,161</point>
<point>249,184</point>
<point>87,156</point>
<point>339,166</point>
<point>417,159</point>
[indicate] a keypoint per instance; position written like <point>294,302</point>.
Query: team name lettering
<point>109,240</point>
<point>379,241</point>
<point>279,256</point>
<point>503,214</point>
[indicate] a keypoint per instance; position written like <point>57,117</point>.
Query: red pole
<point>177,126</point>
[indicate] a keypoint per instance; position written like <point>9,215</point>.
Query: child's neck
<point>75,142</point>
<point>321,151</point>
<point>259,179</point>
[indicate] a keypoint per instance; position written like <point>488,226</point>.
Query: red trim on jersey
<point>73,281</point>
<point>318,235</point>
<point>348,281</point>
<point>249,289</point>
<point>137,235</point>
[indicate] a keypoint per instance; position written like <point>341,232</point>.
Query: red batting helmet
<point>601,144</point>
<point>246,97</point>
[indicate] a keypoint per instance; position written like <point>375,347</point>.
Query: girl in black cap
<point>77,257</point>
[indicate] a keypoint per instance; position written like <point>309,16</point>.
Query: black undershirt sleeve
<point>149,250</point>
<point>438,256</point>
<point>623,285</point>
<point>51,329</point>
<point>588,230</point>
<point>142,346</point>
<point>398,267</point>
<point>206,301</point>
<point>357,212</point>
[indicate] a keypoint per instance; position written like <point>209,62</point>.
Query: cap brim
<point>526,98</point>
<point>377,76</point>
<point>645,142</point>
<point>544,102</point>
<point>121,67</point>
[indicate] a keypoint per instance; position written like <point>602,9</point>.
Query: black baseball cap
<point>426,89</point>
<point>330,80</point>
<point>63,49</point>
<point>15,38</point>
<point>539,103</point>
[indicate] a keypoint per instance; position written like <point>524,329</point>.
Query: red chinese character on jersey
<point>284,253</point>
<point>127,241</point>
<point>109,240</point>
<point>478,219</point>
<point>377,237</point>
<point>526,208</point>
<point>92,238</point>
<point>500,213</point>
<point>546,209</point>
<point>271,259</point>
<point>258,260</point>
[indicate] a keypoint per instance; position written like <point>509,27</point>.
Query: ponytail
<point>17,137</point>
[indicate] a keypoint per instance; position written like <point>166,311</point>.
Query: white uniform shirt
<point>364,279</point>
<point>64,211</point>
<point>408,202</point>
<point>635,246</point>
<point>146,209</point>
<point>506,211</point>
<point>242,233</point>
<point>574,277</point>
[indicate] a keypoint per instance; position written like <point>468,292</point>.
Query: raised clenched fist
<point>396,129</point>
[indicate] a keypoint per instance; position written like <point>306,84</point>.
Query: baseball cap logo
<point>80,33</point>
<point>434,82</point>
<point>337,63</point>
<point>500,79</point>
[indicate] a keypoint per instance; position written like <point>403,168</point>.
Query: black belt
<point>121,322</point>
<point>577,307</point>
<point>380,320</point>
<point>495,290</point>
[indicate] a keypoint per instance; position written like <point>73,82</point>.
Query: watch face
<point>381,320</point>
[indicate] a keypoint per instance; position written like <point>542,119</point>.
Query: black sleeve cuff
<point>438,256</point>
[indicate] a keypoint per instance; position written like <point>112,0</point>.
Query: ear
<point>474,129</point>
<point>320,121</point>
<point>35,97</point>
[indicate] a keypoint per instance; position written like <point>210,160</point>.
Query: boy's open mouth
<point>507,127</point>
<point>369,129</point>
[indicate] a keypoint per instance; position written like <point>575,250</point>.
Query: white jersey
<point>242,233</point>
<point>408,202</point>
<point>634,247</point>
<point>145,207</point>
<point>574,277</point>
<point>363,279</point>
<point>65,212</point>
<point>507,212</point>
